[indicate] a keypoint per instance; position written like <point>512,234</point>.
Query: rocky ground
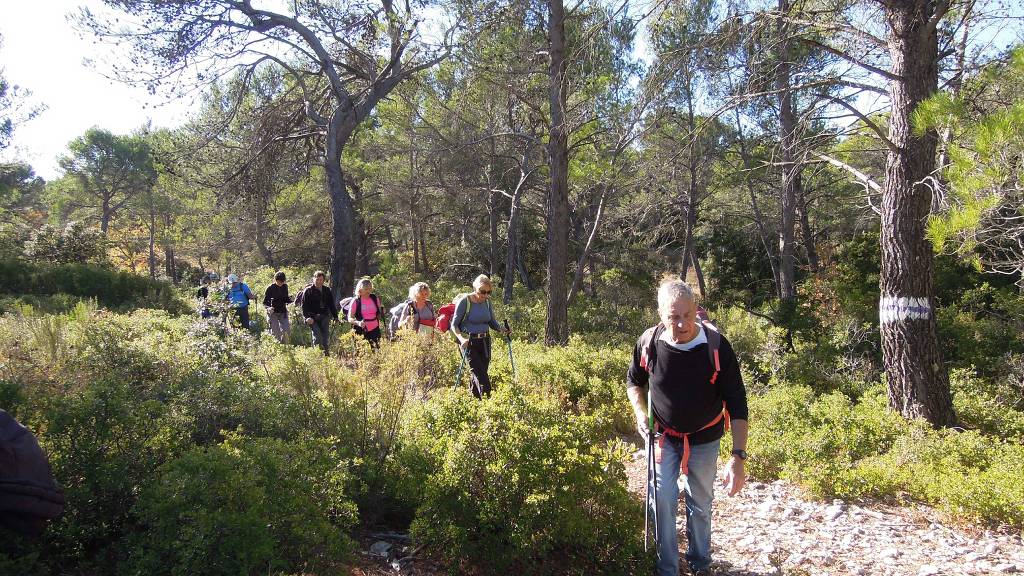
<point>774,530</point>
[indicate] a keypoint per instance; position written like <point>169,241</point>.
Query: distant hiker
<point>473,319</point>
<point>688,376</point>
<point>318,308</point>
<point>366,312</point>
<point>419,314</point>
<point>276,300</point>
<point>203,294</point>
<point>238,296</point>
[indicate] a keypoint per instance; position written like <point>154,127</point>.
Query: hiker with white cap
<point>238,296</point>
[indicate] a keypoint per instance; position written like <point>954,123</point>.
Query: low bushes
<point>113,289</point>
<point>245,506</point>
<point>183,449</point>
<point>516,485</point>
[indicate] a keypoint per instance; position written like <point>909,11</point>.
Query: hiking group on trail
<point>684,384</point>
<point>469,317</point>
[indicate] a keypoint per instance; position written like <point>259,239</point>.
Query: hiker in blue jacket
<point>688,376</point>
<point>238,296</point>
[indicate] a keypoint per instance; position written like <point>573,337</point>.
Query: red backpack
<point>444,317</point>
<point>447,312</point>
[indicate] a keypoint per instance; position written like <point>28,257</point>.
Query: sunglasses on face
<point>484,292</point>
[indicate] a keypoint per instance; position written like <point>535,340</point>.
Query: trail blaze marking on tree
<point>899,309</point>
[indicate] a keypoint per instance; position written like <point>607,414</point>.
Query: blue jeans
<point>699,492</point>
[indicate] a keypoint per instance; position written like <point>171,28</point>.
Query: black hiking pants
<point>243,317</point>
<point>479,356</point>
<point>321,329</point>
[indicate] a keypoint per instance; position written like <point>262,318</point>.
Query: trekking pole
<point>652,470</point>
<point>508,339</point>
<point>647,500</point>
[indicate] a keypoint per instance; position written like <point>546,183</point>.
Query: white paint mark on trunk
<point>899,309</point>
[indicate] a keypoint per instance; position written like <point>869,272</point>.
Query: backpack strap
<point>714,343</point>
<point>647,342</point>
<point>458,301</point>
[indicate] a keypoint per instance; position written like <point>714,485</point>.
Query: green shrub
<point>247,506</point>
<point>977,407</point>
<point>516,485</point>
<point>585,378</point>
<point>981,328</point>
<point>111,288</point>
<point>104,444</point>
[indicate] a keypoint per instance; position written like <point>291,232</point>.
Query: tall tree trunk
<point>917,380</point>
<point>514,237</point>
<point>423,249</point>
<point>492,216</point>
<point>556,329</point>
<point>688,225</point>
<point>578,277</point>
<point>415,242</point>
<point>758,217</point>
<point>790,167</point>
<point>807,232</point>
<point>105,213</point>
<point>170,263</point>
<point>701,284</point>
<point>152,240</point>
<point>342,266</point>
<point>260,233</point>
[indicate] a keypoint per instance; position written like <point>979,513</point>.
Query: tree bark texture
<point>556,329</point>
<point>917,380</point>
<point>577,279</point>
<point>807,232</point>
<point>342,266</point>
<point>790,166</point>
<point>513,258</point>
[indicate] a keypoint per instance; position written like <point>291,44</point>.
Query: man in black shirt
<point>685,378</point>
<point>318,307</point>
<point>276,300</point>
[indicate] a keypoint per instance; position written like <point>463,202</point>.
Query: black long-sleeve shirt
<point>318,301</point>
<point>277,297</point>
<point>682,395</point>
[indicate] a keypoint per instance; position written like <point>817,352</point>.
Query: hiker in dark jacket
<point>366,313</point>
<point>696,392</point>
<point>203,295</point>
<point>29,494</point>
<point>471,324</point>
<point>318,307</point>
<point>276,300</point>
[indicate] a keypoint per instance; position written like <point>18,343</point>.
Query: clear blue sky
<point>42,53</point>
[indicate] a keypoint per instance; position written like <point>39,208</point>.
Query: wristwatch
<point>741,454</point>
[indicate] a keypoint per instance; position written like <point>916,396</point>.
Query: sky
<point>41,52</point>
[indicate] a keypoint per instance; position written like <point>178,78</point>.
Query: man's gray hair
<point>671,290</point>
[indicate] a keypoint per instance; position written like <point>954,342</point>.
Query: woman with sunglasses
<point>471,324</point>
